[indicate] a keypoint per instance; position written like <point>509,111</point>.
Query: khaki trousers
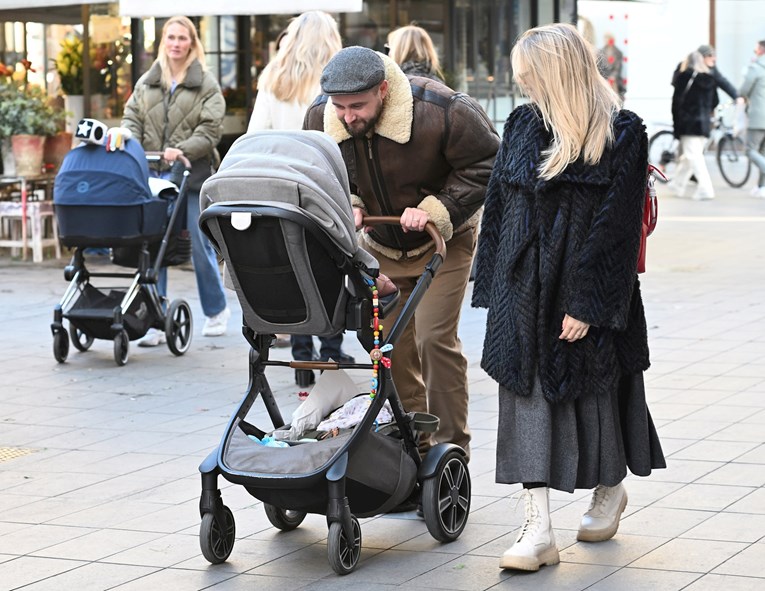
<point>429,369</point>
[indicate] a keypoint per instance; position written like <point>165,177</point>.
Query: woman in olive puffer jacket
<point>177,108</point>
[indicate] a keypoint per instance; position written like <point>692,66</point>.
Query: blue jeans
<point>302,347</point>
<point>205,261</point>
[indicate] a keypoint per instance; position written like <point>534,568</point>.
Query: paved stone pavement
<point>106,496</point>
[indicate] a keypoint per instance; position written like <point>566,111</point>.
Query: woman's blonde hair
<point>558,70</point>
<point>413,44</point>
<point>196,51</point>
<point>695,62</point>
<point>310,41</point>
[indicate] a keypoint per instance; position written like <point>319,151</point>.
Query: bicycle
<point>731,158</point>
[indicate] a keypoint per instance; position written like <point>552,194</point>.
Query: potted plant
<point>26,117</point>
<point>69,67</point>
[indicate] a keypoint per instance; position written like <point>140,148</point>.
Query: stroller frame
<point>441,479</point>
<point>123,314</point>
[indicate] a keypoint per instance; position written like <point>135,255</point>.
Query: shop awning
<point>61,12</point>
<point>205,7</point>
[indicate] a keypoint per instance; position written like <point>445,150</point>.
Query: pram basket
<point>293,275</point>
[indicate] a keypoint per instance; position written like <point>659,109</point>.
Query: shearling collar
<point>193,77</point>
<point>398,107</point>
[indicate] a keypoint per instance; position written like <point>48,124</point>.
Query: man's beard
<point>361,132</point>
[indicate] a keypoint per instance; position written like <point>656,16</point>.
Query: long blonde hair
<point>311,40</point>
<point>558,70</point>
<point>694,62</point>
<point>413,44</point>
<point>196,52</point>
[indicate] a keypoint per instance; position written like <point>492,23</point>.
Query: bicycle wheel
<point>734,166</point>
<point>663,152</point>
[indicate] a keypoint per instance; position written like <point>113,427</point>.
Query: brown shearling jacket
<point>432,148</point>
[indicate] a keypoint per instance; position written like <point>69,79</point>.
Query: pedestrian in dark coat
<point>557,269</point>
<point>694,100</point>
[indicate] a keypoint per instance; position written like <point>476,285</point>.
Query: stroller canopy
<point>89,175</point>
<point>291,169</point>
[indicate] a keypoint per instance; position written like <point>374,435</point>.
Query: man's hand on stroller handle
<point>412,220</point>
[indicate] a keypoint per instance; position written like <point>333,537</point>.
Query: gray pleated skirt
<point>580,443</point>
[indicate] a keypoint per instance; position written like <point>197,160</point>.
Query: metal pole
<point>86,59</point>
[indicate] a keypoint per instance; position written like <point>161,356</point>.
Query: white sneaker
<point>215,326</point>
<point>535,545</point>
<point>702,196</point>
<point>152,338</point>
<point>758,192</point>
<point>602,518</point>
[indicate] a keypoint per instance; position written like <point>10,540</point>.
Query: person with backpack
<point>557,256</point>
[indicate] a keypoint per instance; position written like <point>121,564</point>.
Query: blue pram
<point>104,199</point>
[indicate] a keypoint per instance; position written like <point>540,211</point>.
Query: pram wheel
<point>60,345</point>
<point>80,339</point>
<point>283,519</point>
<point>178,327</point>
<point>446,498</point>
<point>217,543</point>
<point>343,557</point>
<point>121,347</point>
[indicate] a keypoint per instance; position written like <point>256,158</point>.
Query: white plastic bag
<point>740,120</point>
<point>333,389</point>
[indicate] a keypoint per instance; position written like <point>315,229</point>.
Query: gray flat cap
<point>352,70</point>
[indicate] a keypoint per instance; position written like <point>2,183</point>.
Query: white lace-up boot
<point>602,518</point>
<point>535,545</point>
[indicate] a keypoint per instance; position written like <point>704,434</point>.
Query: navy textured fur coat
<point>568,245</point>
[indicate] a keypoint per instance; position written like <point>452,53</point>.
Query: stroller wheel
<point>60,345</point>
<point>178,327</point>
<point>283,519</point>
<point>121,347</point>
<point>446,498</point>
<point>80,339</point>
<point>216,541</point>
<point>343,556</point>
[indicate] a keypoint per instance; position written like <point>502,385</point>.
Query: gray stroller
<point>278,211</point>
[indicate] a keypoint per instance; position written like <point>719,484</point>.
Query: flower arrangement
<point>69,67</point>
<point>24,107</point>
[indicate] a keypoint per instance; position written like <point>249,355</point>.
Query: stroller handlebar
<point>430,228</point>
<point>158,156</point>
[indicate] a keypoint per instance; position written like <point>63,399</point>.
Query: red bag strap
<point>651,207</point>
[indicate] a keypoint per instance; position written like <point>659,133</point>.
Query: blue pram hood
<point>89,175</point>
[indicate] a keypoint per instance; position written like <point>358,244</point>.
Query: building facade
<point>474,38</point>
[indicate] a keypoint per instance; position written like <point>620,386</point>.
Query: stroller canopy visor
<point>266,166</point>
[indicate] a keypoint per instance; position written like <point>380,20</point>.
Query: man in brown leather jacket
<point>417,150</point>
